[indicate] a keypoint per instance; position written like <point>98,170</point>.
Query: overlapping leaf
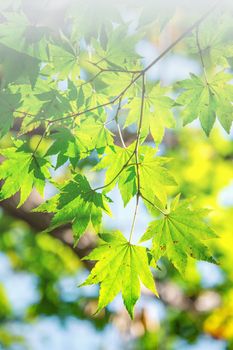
<point>65,61</point>
<point>157,113</point>
<point>67,146</point>
<point>120,267</point>
<point>17,66</point>
<point>216,45</point>
<point>154,177</point>
<point>121,46</point>
<point>22,47</point>
<point>54,104</point>
<point>207,100</point>
<point>94,134</point>
<point>121,170</point>
<point>21,171</point>
<point>77,204</point>
<point>8,104</point>
<point>18,33</point>
<point>115,160</point>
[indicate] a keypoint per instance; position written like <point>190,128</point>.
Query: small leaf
<point>114,160</point>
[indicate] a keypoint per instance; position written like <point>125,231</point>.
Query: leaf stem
<point>134,218</point>
<point>153,205</point>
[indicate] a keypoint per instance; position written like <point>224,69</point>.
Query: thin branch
<point>182,36</point>
<point>120,134</point>
<point>140,119</point>
<point>116,176</point>
<point>25,113</point>
<point>103,70</point>
<point>109,121</point>
<point>91,79</point>
<point>118,125</point>
<point>75,115</point>
<point>40,140</point>
<point>201,55</point>
<point>135,152</point>
<point>137,157</point>
<point>114,70</point>
<point>120,71</point>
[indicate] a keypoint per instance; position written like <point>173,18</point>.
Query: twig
<point>91,79</point>
<point>114,70</point>
<point>120,134</point>
<point>40,140</point>
<point>116,176</point>
<point>182,36</point>
<point>117,123</point>
<point>137,157</point>
<point>200,54</point>
<point>25,113</point>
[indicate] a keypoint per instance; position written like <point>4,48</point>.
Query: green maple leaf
<point>120,267</point>
<point>94,134</point>
<point>121,46</point>
<point>17,66</point>
<point>65,61</point>
<point>18,34</point>
<point>8,104</point>
<point>22,48</point>
<point>77,204</point>
<point>207,101</point>
<point>180,233</point>
<point>21,171</point>
<point>54,104</point>
<point>223,94</point>
<point>216,45</point>
<point>67,146</point>
<point>114,160</point>
<point>157,114</point>
<point>154,177</point>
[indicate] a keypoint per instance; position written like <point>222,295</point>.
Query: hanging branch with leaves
<point>74,86</point>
